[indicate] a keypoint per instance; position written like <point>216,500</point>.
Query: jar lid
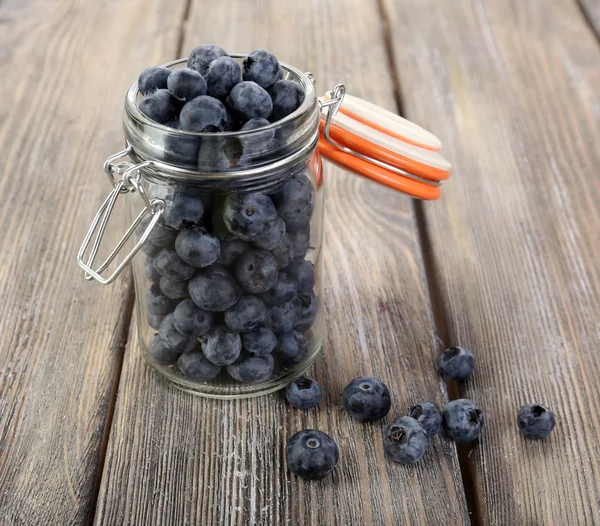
<point>378,144</point>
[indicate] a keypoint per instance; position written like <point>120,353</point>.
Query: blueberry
<point>197,247</point>
<point>160,353</point>
<point>154,320</point>
<point>220,154</point>
<point>203,114</point>
<point>405,440</point>
<point>251,369</point>
<point>171,266</point>
<point>182,210</point>
<point>172,338</point>
<point>180,149</point>
<point>262,67</point>
<point>231,249</point>
<point>186,84</point>
<point>535,420</point>
<point>246,315</point>
<point>194,365</point>
<point>287,97</point>
<point>259,342</point>
<point>309,305</point>
<point>295,202</point>
<point>152,79</point>
<point>462,420</point>
<point>222,75</point>
<point>201,56</point>
<point>248,100</point>
<point>300,242</point>
<point>311,454</point>
<point>157,302</point>
<point>256,271</point>
<point>366,399</point>
<point>174,289</point>
<point>214,289</point>
<point>150,250</point>
<point>292,348</point>
<point>303,393</point>
<point>282,318</point>
<point>221,345</point>
<point>249,216</point>
<point>190,320</point>
<point>284,251</point>
<point>283,291</point>
<point>456,363</point>
<point>151,273</point>
<point>428,415</point>
<point>303,271</point>
<point>161,235</point>
<point>159,106</point>
<point>257,142</point>
<point>273,238</point>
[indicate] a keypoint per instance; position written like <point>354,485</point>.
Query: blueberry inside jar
<point>228,145</point>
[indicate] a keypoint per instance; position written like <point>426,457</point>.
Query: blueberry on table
<point>284,290</point>
<point>174,289</point>
<point>248,100</point>
<point>405,440</point>
<point>309,306</point>
<point>535,420</point>
<point>222,75</point>
<point>456,363</point>
<point>194,365</point>
<point>151,273</point>
<point>160,353</point>
<point>154,320</point>
<point>303,271</point>
<point>221,345</point>
<point>284,251</point>
<point>159,106</point>
<point>186,84</point>
<point>262,67</point>
<point>249,368</point>
<point>201,56</point>
<point>256,271</point>
<point>295,202</point>
<point>273,238</point>
<point>428,415</point>
<point>291,348</point>
<point>197,247</point>
<point>214,289</point>
<point>231,249</point>
<point>249,216</point>
<point>303,393</point>
<point>287,97</point>
<point>259,342</point>
<point>366,399</point>
<point>191,320</point>
<point>246,315</point>
<point>152,79</point>
<point>311,454</point>
<point>462,420</point>
<point>182,210</point>
<point>282,318</point>
<point>203,114</point>
<point>171,266</point>
<point>300,241</point>
<point>157,302</point>
<point>172,338</point>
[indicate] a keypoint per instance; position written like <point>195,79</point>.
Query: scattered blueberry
<point>186,84</point>
<point>456,363</point>
<point>287,97</point>
<point>203,114</point>
<point>190,320</point>
<point>172,338</point>
<point>214,289</point>
<point>284,290</point>
<point>405,440</point>
<point>246,315</point>
<point>284,251</point>
<point>428,415</point>
<point>535,420</point>
<point>282,318</point>
<point>197,247</point>
<point>160,353</point>
<point>303,271</point>
<point>273,238</point>
<point>262,67</point>
<point>256,271</point>
<point>174,289</point>
<point>195,365</point>
<point>249,100</point>
<point>309,305</point>
<point>201,56</point>
<point>151,273</point>
<point>259,342</point>
<point>295,202</point>
<point>221,346</point>
<point>462,420</point>
<point>311,454</point>
<point>231,249</point>
<point>303,392</point>
<point>249,216</point>
<point>182,211</point>
<point>157,302</point>
<point>152,79</point>
<point>171,266</point>
<point>222,75</point>
<point>292,348</point>
<point>159,106</point>
<point>249,368</point>
<point>366,399</point>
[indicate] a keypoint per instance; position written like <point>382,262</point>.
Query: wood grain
<point>176,459</point>
<point>63,79</point>
<point>513,89</point>
<point>591,12</point>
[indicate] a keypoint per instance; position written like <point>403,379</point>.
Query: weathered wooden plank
<point>176,459</point>
<point>61,339</point>
<point>591,12</point>
<point>513,89</point>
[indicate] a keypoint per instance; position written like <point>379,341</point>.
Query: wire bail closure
<point>129,182</point>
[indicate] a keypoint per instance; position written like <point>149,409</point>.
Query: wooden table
<point>505,264</point>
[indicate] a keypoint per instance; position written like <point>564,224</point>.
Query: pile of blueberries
<point>312,454</point>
